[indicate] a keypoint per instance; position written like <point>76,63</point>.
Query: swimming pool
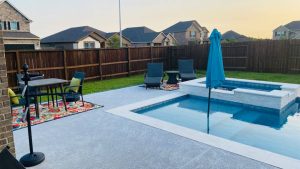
<point>239,123</point>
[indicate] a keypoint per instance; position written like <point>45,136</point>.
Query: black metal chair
<point>154,75</point>
<point>69,94</point>
<point>8,161</point>
<point>33,91</point>
<point>21,100</point>
<point>186,69</point>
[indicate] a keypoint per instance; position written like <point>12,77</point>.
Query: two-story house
<point>16,29</point>
<point>188,32</point>
<point>288,31</point>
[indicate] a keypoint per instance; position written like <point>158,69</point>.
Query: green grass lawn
<point>104,85</point>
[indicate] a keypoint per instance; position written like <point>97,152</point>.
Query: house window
<point>1,25</point>
<point>280,33</point>
<point>193,34</point>
<point>14,26</point>
<point>89,45</point>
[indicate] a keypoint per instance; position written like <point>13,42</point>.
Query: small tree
<point>114,42</point>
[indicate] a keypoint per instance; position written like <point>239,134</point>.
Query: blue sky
<point>256,18</point>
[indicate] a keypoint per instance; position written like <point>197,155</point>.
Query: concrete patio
<point>100,140</point>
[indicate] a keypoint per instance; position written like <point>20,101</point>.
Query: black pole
<point>33,158</point>
<point>208,110</point>
<point>26,78</point>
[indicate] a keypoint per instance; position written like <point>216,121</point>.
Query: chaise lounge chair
<point>154,75</point>
<point>186,70</point>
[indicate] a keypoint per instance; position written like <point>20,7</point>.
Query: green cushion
<point>13,98</point>
<point>75,82</point>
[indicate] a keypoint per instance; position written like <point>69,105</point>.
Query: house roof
<point>72,35</point>
<point>295,25</point>
<point>19,35</point>
<point>181,26</point>
<point>110,34</point>
<point>2,1</point>
<point>140,34</point>
<point>233,35</point>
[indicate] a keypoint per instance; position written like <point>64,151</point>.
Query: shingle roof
<point>19,35</point>
<point>110,34</point>
<point>233,35</point>
<point>179,27</point>
<point>140,34</point>
<point>295,25</point>
<point>72,35</point>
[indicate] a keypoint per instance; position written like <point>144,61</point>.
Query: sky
<point>254,18</point>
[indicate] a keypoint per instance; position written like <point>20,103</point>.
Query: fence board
<point>258,56</point>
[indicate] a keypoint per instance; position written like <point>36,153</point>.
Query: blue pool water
<point>233,84</point>
<point>262,129</point>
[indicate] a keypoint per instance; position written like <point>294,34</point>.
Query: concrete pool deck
<point>100,140</point>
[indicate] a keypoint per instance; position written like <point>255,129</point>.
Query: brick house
<point>288,31</point>
<point>188,32</point>
<point>16,28</point>
<point>6,134</point>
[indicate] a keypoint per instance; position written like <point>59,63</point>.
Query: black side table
<point>172,76</point>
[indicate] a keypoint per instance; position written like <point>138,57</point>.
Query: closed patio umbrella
<point>215,69</point>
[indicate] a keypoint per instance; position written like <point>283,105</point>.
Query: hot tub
<point>271,95</point>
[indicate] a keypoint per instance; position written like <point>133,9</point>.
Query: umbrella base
<point>34,159</point>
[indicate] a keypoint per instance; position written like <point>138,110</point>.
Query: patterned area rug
<point>49,113</point>
<point>169,87</point>
<point>166,87</point>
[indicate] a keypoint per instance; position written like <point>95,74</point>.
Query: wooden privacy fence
<point>256,56</point>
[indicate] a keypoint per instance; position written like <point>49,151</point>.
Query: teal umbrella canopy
<point>215,70</point>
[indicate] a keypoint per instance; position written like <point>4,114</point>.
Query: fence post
<point>288,49</point>
<point>18,61</point>
<point>100,63</point>
<point>65,65</point>
<point>129,60</point>
<point>151,54</point>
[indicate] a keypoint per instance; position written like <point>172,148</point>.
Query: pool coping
<point>254,153</point>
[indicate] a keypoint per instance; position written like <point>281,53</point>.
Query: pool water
<point>247,125</point>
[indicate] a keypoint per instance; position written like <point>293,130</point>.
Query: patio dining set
<point>39,86</point>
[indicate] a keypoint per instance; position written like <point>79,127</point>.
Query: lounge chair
<point>186,70</point>
<point>154,75</point>
<point>8,161</point>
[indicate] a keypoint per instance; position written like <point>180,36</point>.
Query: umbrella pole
<point>208,110</point>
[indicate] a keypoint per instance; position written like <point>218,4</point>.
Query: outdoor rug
<point>169,87</point>
<point>165,86</point>
<point>49,113</point>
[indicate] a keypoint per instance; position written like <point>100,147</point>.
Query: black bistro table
<point>172,74</point>
<point>51,83</point>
